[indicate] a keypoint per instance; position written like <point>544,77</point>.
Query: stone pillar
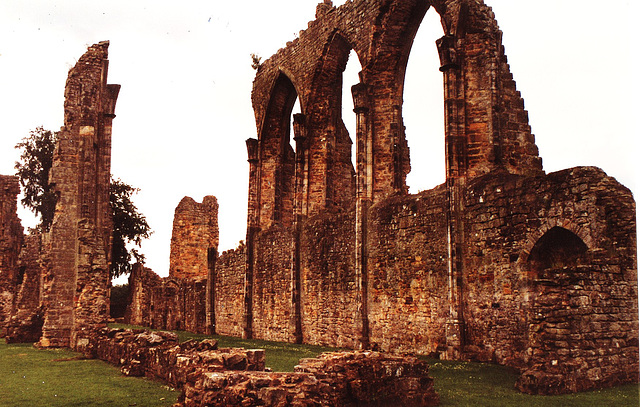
<point>364,196</point>
<point>210,317</point>
<point>456,166</point>
<point>253,216</point>
<point>78,246</point>
<point>299,208</point>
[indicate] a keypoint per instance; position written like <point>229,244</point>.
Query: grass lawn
<point>30,377</point>
<point>481,384</point>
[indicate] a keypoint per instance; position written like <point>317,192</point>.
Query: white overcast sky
<point>184,110</point>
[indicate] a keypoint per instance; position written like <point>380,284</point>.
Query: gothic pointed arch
<point>277,157</point>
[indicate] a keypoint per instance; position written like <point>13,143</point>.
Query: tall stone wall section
<point>461,271</point>
<point>229,285</point>
<point>27,315</point>
<point>11,238</point>
<point>327,281</point>
<point>195,233</point>
<point>502,263</point>
<point>78,246</point>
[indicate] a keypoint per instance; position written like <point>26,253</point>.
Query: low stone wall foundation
<point>209,376</point>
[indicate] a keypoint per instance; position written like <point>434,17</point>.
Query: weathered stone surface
<point>333,379</point>
<point>27,316</point>
<point>166,303</point>
<point>78,246</point>
<point>158,355</point>
<point>229,377</point>
<point>11,238</point>
<point>195,234</point>
<point>483,267</point>
<point>502,263</point>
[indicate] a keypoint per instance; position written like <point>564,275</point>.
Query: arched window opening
<point>558,248</point>
<point>423,108</point>
<point>278,156</point>
<point>350,77</point>
<point>334,139</point>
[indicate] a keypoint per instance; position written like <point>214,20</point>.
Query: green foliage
<point>32,377</point>
<point>129,226</point>
<point>36,159</point>
<point>119,300</point>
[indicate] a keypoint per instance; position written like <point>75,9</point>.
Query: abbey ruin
<point>502,263</point>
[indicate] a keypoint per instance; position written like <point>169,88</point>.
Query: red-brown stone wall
<point>195,232</point>
<point>408,297</point>
<point>166,303</point>
<point>142,280</point>
<point>271,295</point>
<point>328,281</point>
<point>229,292</point>
<point>77,248</point>
<point>11,238</point>
<point>26,318</point>
<point>506,217</point>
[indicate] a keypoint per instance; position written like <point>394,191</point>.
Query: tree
<point>129,225</point>
<point>33,171</point>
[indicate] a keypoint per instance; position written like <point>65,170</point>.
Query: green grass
<point>480,384</point>
<point>32,377</point>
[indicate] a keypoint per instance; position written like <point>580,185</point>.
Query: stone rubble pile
<point>208,376</point>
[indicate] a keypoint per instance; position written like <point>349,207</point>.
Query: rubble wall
<point>27,316</point>
<point>212,376</point>
<point>11,238</point>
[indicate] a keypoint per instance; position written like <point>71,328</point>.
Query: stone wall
<point>77,249</point>
<point>166,303</point>
<point>195,232</point>
<point>328,309</point>
<point>210,376</point>
<point>11,238</point>
<point>228,288</point>
<point>461,271</point>
<point>409,301</point>
<point>27,315</point>
<point>333,379</point>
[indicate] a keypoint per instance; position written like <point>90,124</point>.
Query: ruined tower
<point>78,247</point>
<point>195,234</point>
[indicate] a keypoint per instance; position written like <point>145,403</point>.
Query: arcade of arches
<point>501,263</point>
<point>339,253</point>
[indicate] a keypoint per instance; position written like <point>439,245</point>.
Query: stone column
<point>210,309</point>
<point>253,216</point>
<point>456,166</point>
<point>299,209</point>
<point>364,196</point>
